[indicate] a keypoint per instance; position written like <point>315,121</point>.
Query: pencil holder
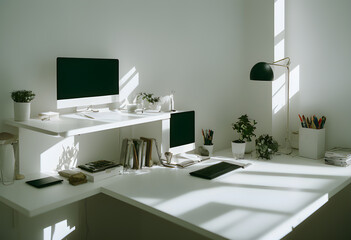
<point>311,143</point>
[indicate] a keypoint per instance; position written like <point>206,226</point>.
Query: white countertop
<point>76,123</point>
<point>264,201</point>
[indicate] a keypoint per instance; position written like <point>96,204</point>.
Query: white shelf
<point>74,124</point>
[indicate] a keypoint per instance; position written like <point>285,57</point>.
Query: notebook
<point>44,182</point>
<point>215,170</point>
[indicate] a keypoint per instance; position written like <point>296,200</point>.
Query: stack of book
<point>136,153</point>
<point>100,169</point>
<point>338,157</point>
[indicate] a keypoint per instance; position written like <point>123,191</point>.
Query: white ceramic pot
<point>22,111</point>
<point>209,148</point>
<point>250,146</point>
<point>238,150</point>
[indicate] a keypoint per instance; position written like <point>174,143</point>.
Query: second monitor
<point>182,132</point>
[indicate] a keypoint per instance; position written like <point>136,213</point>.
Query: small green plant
<point>266,146</point>
<point>245,128</point>
<point>22,96</point>
<point>148,97</point>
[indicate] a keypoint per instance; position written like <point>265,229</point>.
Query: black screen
<point>86,77</point>
<point>182,128</point>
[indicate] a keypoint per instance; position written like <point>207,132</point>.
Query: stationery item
<point>312,122</point>
<point>215,170</point>
<point>208,136</point>
<point>46,116</point>
<point>338,157</point>
<point>302,122</point>
<point>44,182</point>
<point>97,176</point>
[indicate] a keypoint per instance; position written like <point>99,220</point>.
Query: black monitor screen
<point>182,128</point>
<point>86,77</point>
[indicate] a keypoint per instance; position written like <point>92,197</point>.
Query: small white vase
<point>22,111</point>
<point>209,148</point>
<point>250,146</point>
<point>238,150</point>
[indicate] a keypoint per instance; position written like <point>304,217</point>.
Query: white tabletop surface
<point>264,201</point>
<point>78,123</point>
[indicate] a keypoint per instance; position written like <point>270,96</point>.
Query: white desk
<point>263,201</point>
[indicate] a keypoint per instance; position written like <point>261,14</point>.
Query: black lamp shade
<point>261,71</point>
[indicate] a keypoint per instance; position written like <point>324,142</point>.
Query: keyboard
<point>215,170</point>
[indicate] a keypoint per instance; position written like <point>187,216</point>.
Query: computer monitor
<point>182,132</point>
<point>86,81</point>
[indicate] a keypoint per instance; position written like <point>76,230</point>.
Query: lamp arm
<point>283,59</point>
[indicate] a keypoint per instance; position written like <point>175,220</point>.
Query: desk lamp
<point>262,71</point>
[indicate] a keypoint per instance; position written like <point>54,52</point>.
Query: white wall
<point>192,47</point>
<point>318,41</point>
<point>258,48</point>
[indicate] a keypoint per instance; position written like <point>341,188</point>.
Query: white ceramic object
<point>250,146</point>
<point>238,150</point>
<point>131,108</point>
<point>22,111</point>
<point>209,148</point>
<point>311,143</point>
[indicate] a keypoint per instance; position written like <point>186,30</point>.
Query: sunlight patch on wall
<point>278,96</point>
<point>57,232</point>
<point>279,17</point>
<point>126,77</point>
<point>128,84</point>
<point>294,81</point>
<point>279,50</point>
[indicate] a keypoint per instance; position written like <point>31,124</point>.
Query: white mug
<point>131,107</point>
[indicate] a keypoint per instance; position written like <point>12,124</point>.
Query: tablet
<point>44,182</point>
<point>215,170</point>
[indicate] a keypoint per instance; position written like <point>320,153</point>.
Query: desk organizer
<point>311,143</point>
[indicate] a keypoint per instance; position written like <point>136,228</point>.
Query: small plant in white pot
<point>266,146</point>
<point>152,102</point>
<point>245,128</point>
<point>22,99</point>
<point>208,137</point>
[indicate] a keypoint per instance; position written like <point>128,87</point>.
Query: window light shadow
<point>58,231</point>
<point>128,85</point>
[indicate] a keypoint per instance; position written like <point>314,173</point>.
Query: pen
<point>302,125</point>
<point>85,115</point>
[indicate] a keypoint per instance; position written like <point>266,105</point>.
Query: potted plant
<point>208,137</point>
<point>22,99</point>
<point>152,102</point>
<point>245,128</point>
<point>266,146</point>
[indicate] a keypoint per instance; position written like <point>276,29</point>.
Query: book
<point>97,176</point>
<point>148,157</point>
<point>338,152</point>
<point>338,156</point>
